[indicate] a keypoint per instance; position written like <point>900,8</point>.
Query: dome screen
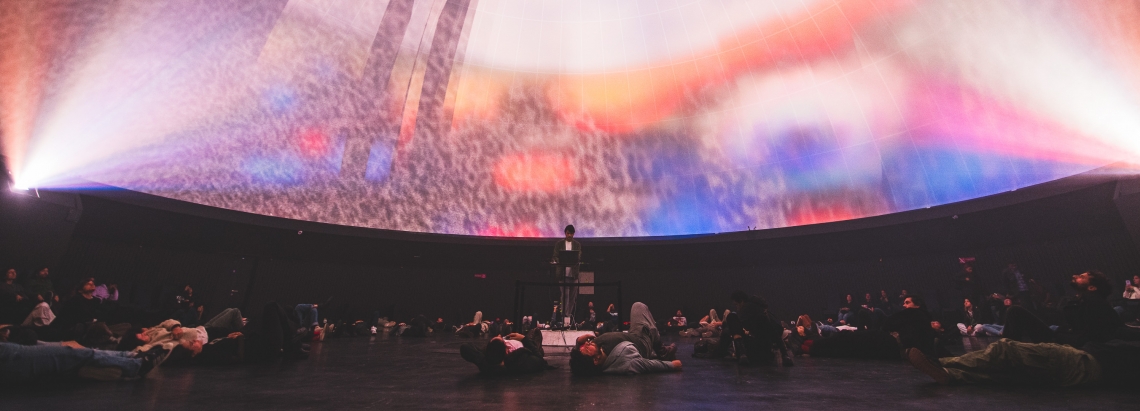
<point>517,117</point>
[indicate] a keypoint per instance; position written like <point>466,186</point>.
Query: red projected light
<point>314,142</point>
<point>526,230</point>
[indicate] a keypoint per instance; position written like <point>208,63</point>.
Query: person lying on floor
<point>474,328</point>
<point>515,354</point>
<point>49,360</point>
<point>636,352</point>
<point>1041,364</point>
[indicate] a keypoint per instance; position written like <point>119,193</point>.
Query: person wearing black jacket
<point>912,326</point>
<point>752,333</point>
<point>1088,317</point>
<point>74,315</point>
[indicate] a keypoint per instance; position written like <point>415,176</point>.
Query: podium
<point>566,272</point>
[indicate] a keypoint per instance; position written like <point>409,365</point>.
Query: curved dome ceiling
<point>516,117</point>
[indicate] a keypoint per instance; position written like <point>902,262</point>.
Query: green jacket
<point>37,285</point>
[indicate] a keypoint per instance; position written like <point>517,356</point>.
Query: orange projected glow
<point>534,172</point>
<point>622,102</point>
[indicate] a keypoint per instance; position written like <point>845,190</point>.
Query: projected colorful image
<point>517,117</point>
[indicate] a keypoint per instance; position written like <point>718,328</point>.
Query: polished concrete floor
<point>427,373</point>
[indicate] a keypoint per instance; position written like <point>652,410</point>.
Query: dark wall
<point>150,252</point>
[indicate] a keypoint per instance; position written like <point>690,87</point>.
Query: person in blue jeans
<point>44,360</point>
<point>307,315</point>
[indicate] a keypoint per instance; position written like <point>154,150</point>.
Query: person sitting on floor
<point>15,303</point>
<point>636,352</point>
<point>41,288</point>
<point>751,334</point>
<point>1088,317</point>
<point>678,320</point>
<point>969,317</point>
<point>511,355</point>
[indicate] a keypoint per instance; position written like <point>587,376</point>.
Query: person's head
<point>679,313</point>
<point>967,304</point>
<point>586,358</point>
<point>850,298</point>
<point>1007,302</point>
<point>43,272</point>
<point>1136,281</point>
<point>583,365</point>
<point>739,298</point>
<point>188,289</point>
<point>804,321</point>
<point>1091,283</point>
<point>903,292</point>
<point>87,287</point>
<point>883,293</point>
<point>913,302</point>
<point>439,319</point>
<point>867,296</point>
<point>590,304</point>
<point>133,338</point>
<point>569,231</point>
<point>10,275</point>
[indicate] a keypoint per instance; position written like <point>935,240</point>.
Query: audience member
<point>511,355</point>
<point>751,334</point>
<point>912,326</point>
<point>1011,362</point>
<point>1017,285</point>
<point>1088,317</point>
<point>847,310</point>
<point>1131,305</point>
<point>636,352</point>
<point>968,317</point>
<point>107,292</point>
<point>40,287</point>
<point>13,299</point>
<point>23,363</point>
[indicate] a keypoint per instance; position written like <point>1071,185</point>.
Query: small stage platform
<point>564,338</point>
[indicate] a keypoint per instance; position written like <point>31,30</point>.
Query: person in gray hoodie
<point>636,352</point>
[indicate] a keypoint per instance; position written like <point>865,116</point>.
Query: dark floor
<point>427,373</point>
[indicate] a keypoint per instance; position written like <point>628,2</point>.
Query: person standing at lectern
<point>567,273</point>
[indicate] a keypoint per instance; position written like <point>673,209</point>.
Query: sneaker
<point>151,360</point>
<point>928,367</point>
<point>97,373</point>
